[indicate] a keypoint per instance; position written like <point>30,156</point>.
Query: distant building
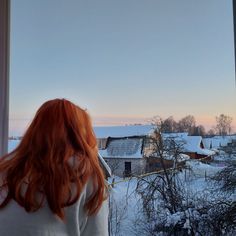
<point>217,142</point>
<point>126,151</point>
<point>122,147</point>
<point>221,143</point>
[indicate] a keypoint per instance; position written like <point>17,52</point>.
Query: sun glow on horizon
<point>19,126</point>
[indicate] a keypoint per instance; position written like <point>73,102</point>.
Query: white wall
<point>117,165</point>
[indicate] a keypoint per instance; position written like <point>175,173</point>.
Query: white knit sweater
<point>15,221</point>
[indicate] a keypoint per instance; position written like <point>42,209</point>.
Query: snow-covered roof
<point>181,157</point>
<point>175,135</point>
<point>217,141</point>
<point>207,142</point>
<point>193,145</point>
<point>122,131</point>
<point>123,148</point>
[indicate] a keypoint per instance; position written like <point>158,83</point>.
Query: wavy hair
<point>56,157</point>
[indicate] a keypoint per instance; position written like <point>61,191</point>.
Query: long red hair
<point>56,157</point>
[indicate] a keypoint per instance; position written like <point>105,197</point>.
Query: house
<point>125,155</point>
<point>122,147</point>
<point>193,146</point>
<point>217,142</point>
<point>176,149</point>
<point>126,150</point>
<point>155,163</point>
<point>221,143</point>
<point>105,132</point>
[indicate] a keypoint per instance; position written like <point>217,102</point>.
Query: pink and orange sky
<point>125,61</point>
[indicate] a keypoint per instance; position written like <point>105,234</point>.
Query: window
<point>127,171</point>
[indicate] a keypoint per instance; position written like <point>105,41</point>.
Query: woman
<point>52,184</point>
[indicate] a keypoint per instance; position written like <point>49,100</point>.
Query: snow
<point>192,144</point>
<point>222,156</point>
<point>174,135</point>
<point>174,218</point>
<point>122,131</point>
<point>218,141</point>
<point>183,157</point>
<point>189,143</point>
<point>200,169</point>
<point>126,202</point>
<point>123,148</point>
<point>180,157</point>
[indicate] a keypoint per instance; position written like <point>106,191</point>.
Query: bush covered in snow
<point>195,205</point>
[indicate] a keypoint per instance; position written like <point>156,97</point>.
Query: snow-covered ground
<point>125,202</point>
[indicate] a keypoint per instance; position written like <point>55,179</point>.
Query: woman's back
<point>52,183</point>
<point>15,221</point>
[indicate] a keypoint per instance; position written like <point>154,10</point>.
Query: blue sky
<point>125,61</point>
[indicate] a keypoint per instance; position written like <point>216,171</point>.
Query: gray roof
<point>123,148</point>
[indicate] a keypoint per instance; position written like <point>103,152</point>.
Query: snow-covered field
<point>126,218</point>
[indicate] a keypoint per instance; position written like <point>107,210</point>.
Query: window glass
<point>125,61</point>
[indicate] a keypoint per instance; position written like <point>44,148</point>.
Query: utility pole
<point>4,73</point>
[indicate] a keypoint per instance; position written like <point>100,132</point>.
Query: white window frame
<point>4,73</point>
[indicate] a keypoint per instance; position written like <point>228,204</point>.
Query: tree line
<point>188,124</point>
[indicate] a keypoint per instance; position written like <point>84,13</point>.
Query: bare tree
<point>170,209</point>
<point>211,132</point>
<point>169,125</point>
<point>198,131</point>
<point>186,124</point>
<point>165,186</point>
<point>227,177</point>
<point>223,124</point>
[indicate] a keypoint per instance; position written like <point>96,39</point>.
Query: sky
<point>124,61</point>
